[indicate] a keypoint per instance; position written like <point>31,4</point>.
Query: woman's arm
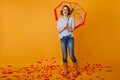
<point>63,28</point>
<point>69,29</point>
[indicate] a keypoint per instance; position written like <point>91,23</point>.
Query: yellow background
<point>28,32</point>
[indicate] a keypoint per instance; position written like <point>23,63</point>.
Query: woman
<point>65,29</point>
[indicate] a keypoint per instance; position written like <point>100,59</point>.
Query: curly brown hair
<point>69,11</point>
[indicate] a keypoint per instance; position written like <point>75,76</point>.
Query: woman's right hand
<point>63,28</point>
<point>66,25</point>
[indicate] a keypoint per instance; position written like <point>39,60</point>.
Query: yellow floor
<point>29,41</point>
<point>49,69</point>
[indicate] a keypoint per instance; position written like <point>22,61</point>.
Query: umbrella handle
<point>70,13</point>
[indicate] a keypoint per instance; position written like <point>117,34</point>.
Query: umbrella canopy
<point>77,12</point>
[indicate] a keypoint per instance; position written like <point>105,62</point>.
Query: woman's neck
<point>65,16</point>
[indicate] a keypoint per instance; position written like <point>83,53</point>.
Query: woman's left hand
<point>69,29</point>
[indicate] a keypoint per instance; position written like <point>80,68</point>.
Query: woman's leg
<point>64,49</point>
<point>64,54</point>
<point>71,51</point>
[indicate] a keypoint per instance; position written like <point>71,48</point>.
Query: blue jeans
<point>68,42</point>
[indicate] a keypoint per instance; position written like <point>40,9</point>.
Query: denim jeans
<point>68,42</point>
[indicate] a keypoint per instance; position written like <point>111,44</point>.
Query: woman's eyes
<point>65,10</point>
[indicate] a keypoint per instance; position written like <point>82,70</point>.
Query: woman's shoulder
<point>59,19</point>
<point>71,18</point>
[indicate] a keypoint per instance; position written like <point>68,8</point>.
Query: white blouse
<point>62,22</point>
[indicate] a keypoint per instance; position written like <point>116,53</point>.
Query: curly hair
<point>69,11</point>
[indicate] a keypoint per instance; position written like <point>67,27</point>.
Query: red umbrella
<point>77,12</point>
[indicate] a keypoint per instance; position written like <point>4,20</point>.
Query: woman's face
<point>65,11</point>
